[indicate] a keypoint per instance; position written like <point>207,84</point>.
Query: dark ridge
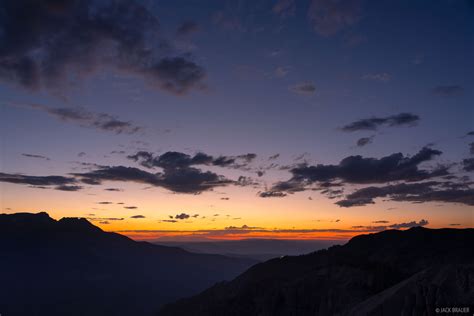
<point>71,267</point>
<point>336,280</point>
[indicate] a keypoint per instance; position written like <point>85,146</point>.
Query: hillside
<point>71,267</point>
<point>360,277</point>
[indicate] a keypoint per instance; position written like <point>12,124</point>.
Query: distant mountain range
<point>259,249</point>
<point>393,272</point>
<point>71,267</point>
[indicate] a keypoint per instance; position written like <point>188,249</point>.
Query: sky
<point>197,120</point>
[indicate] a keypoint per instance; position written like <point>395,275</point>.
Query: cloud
<point>69,188</point>
<point>187,28</point>
<point>448,91</point>
<point>243,227</point>
<point>357,169</point>
<point>382,77</point>
<point>35,156</point>
<point>45,44</point>
<point>105,219</point>
<point>303,88</point>
<point>130,207</point>
<point>328,17</point>
<point>468,164</point>
<point>179,160</point>
<point>261,232</point>
<point>332,179</point>
<point>267,194</point>
<point>361,142</point>
<point>84,118</point>
<point>58,181</point>
<point>182,180</point>
<point>432,191</point>
<point>113,189</point>
<point>182,216</point>
<point>381,222</point>
<point>411,224</point>
<point>285,8</point>
<point>373,123</point>
<point>105,203</point>
<point>137,216</point>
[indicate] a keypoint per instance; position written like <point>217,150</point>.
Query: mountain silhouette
<point>259,249</point>
<point>71,267</point>
<point>392,272</point>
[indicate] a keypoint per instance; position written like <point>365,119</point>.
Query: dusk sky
<point>239,119</point>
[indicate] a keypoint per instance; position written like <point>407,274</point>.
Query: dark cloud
<point>267,194</point>
<point>357,169</point>
<point>432,191</point>
<point>448,91</point>
<point>113,189</point>
<point>35,156</point>
<point>273,157</point>
<point>46,43</point>
<point>331,179</point>
<point>70,188</point>
<point>137,216</point>
<point>84,118</point>
<point>381,222</point>
<point>361,142</point>
<point>411,224</point>
<point>187,28</point>
<point>304,88</point>
<point>470,133</point>
<point>468,164</point>
<point>182,216</point>
<point>169,221</point>
<point>328,17</point>
<point>179,160</point>
<point>181,180</point>
<point>373,123</point>
<point>130,207</point>
<point>105,202</point>
<point>58,181</point>
<point>246,181</point>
